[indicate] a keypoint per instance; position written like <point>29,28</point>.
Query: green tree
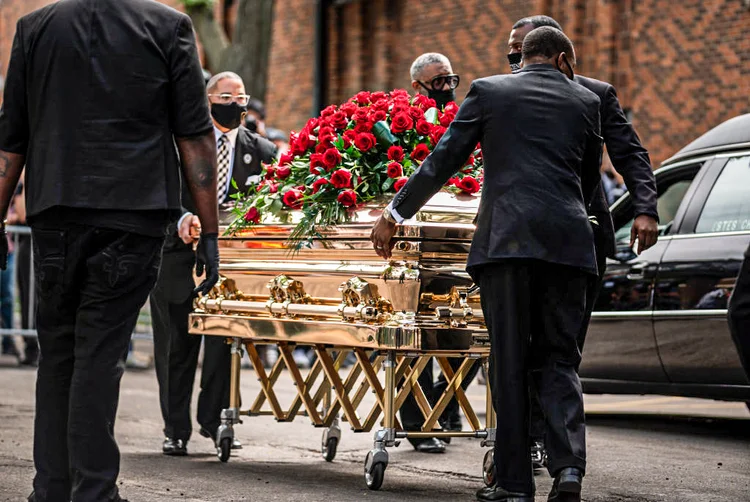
<point>246,50</point>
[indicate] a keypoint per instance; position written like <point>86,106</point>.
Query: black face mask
<point>515,61</point>
<point>229,116</point>
<point>441,97</point>
<point>572,73</point>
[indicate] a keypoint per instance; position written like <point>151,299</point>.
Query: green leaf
<point>234,184</point>
<point>387,184</point>
<point>431,115</point>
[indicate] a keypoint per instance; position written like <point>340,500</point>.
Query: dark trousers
<point>176,352</point>
<point>739,314</point>
<point>91,283</point>
<point>533,311</point>
<point>593,287</point>
<point>23,264</point>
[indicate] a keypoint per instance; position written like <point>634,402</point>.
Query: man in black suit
<point>98,93</point>
<point>240,153</point>
<point>631,160</point>
<point>532,251</point>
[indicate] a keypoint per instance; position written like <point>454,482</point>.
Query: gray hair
<point>424,60</point>
<point>214,81</point>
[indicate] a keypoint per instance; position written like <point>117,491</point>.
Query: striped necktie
<point>222,178</point>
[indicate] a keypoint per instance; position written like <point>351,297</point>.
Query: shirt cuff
<point>399,219</point>
<point>182,218</point>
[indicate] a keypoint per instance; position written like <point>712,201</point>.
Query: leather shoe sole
<point>497,494</point>
<point>433,445</point>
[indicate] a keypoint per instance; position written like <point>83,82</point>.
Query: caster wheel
<point>488,468</point>
<point>225,449</point>
<point>374,478</point>
<point>328,450</point>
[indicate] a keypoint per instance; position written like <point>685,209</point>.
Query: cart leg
<point>377,459</point>
<point>332,435</point>
<point>231,415</point>
<point>488,465</point>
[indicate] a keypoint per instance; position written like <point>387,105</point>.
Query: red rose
<point>328,111</point>
<point>401,122</point>
<point>363,127</point>
<point>285,159</point>
<point>252,216</point>
<point>377,96</point>
<point>349,137</point>
<point>273,187</point>
<point>341,178</point>
<point>446,118</point>
<point>270,172</point>
<point>317,163</point>
<point>362,97</point>
<point>318,184</point>
<point>400,108</point>
<point>395,170</point>
<point>365,141</point>
<point>424,102</point>
<point>377,116</point>
<point>312,124</point>
<point>302,142</point>
<point>347,198</point>
<point>420,152</point>
<point>437,133</point>
<point>332,158</point>
<point>396,153</point>
<point>471,161</point>
<point>339,120</point>
<point>451,107</point>
<point>399,94</point>
<point>383,105</point>
<point>293,198</point>
<point>283,172</point>
<point>453,181</point>
<point>416,112</point>
<point>361,115</point>
<point>400,183</point>
<point>349,109</point>
<point>469,185</point>
<point>326,134</point>
<point>423,127</point>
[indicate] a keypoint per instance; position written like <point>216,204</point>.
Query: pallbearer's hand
<point>190,229</point>
<point>646,230</point>
<point>207,259</point>
<point>382,237</point>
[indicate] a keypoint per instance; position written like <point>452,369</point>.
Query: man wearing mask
<point>631,160</point>
<point>532,250</point>
<point>240,153</point>
<point>432,75</point>
<point>100,97</point>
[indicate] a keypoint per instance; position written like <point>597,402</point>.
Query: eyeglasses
<point>437,83</point>
<point>225,98</point>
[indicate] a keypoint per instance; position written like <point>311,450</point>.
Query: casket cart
<point>339,298</point>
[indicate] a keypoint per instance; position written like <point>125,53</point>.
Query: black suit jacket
<point>540,141</point>
<point>629,158</point>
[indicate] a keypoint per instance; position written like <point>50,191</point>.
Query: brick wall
<point>680,67</point>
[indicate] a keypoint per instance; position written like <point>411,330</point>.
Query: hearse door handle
<point>636,271</point>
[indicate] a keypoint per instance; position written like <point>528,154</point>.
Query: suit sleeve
<point>14,115</point>
<point>592,159</point>
<point>267,150</point>
<point>628,155</point>
<point>449,155</point>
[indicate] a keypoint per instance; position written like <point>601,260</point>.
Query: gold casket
<point>342,300</point>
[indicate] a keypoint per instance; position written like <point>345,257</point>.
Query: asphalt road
<point>641,449</point>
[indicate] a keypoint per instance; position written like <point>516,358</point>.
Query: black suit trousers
<point>739,314</point>
<point>176,352</point>
<point>91,283</point>
<point>533,311</point>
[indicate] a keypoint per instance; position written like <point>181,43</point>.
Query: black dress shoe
<point>174,447</point>
<point>567,486</point>
<point>495,493</point>
<point>431,445</point>
<point>453,424</point>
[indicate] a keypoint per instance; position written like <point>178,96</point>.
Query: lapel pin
<point>247,158</point>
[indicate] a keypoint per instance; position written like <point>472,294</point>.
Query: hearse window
<point>727,207</point>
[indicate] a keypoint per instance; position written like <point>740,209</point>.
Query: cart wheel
<point>224,449</point>
<point>488,468</point>
<point>328,449</point>
<point>374,478</point>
